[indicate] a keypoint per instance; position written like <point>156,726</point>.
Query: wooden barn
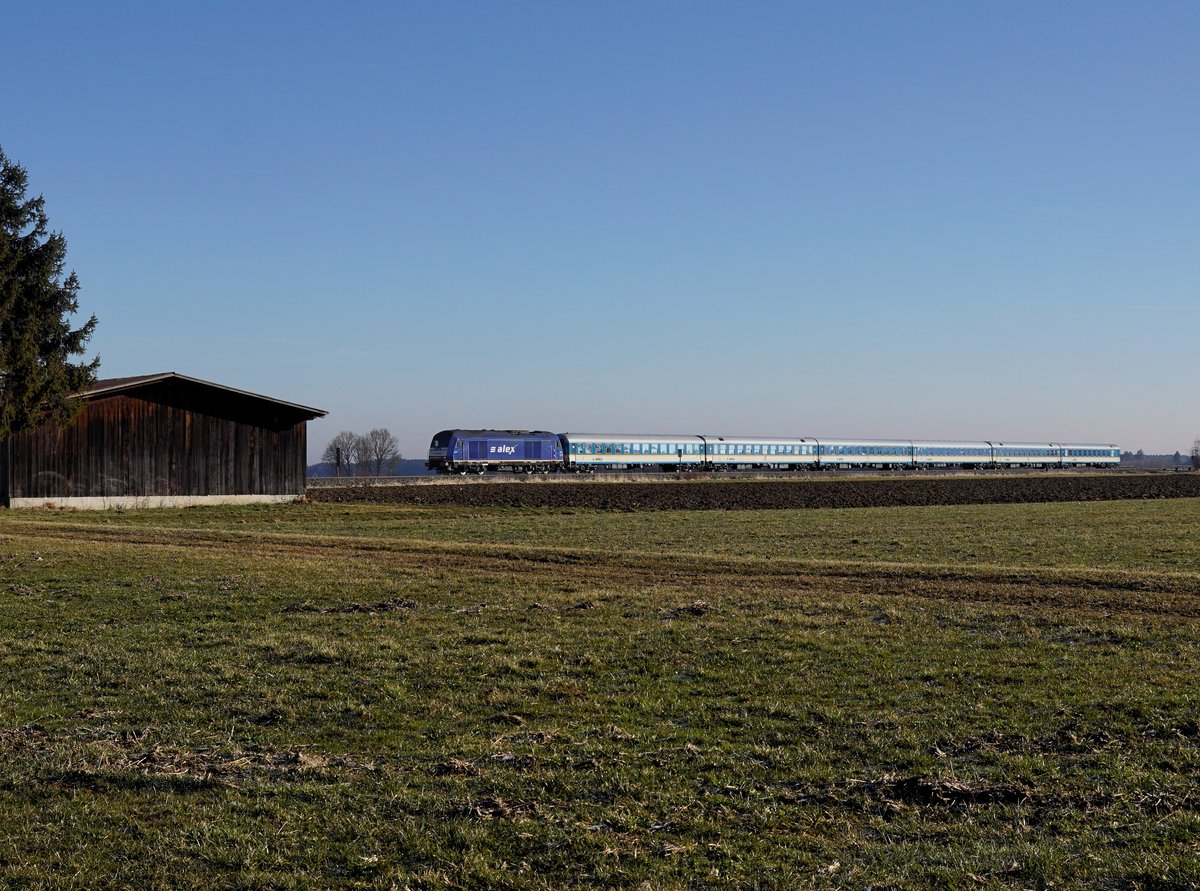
<point>161,440</point>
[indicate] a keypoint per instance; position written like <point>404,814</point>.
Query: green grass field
<point>368,696</point>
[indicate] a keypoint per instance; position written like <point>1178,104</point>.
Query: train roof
<point>464,432</point>
<point>951,443</point>
<point>854,440</point>
<point>633,437</point>
<point>768,440</point>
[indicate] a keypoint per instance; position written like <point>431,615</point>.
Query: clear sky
<point>926,219</point>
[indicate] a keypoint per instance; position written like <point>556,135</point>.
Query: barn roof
<point>116,385</point>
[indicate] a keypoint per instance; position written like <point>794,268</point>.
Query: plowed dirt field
<point>771,494</point>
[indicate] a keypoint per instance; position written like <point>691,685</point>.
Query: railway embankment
<point>724,494</point>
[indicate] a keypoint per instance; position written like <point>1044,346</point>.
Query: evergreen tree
<point>37,342</point>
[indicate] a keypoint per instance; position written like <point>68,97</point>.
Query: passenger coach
<point>585,451</point>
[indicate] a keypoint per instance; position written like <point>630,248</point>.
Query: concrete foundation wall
<point>135,502</point>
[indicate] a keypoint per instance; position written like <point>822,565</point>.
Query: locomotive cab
<point>441,448</point>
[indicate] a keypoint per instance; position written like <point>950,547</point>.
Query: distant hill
<point>406,467</point>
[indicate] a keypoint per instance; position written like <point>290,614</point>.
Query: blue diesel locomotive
<point>477,451</point>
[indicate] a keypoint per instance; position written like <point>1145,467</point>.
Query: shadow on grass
<point>103,782</point>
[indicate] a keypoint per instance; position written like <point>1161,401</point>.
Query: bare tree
<point>1196,454</point>
<point>341,451</point>
<point>383,451</point>
<point>360,449</point>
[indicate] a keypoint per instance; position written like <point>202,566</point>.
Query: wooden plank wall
<point>170,444</point>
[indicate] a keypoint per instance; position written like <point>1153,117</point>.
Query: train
<point>539,451</point>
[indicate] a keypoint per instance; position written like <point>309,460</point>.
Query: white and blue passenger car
<point>728,452</point>
<point>584,451</point>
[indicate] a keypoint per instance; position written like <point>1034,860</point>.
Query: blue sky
<point>936,220</point>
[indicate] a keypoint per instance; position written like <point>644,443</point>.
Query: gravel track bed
<point>773,495</point>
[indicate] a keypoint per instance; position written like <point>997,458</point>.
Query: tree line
<point>363,454</point>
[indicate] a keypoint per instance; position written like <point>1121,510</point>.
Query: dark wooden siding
<point>165,440</point>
